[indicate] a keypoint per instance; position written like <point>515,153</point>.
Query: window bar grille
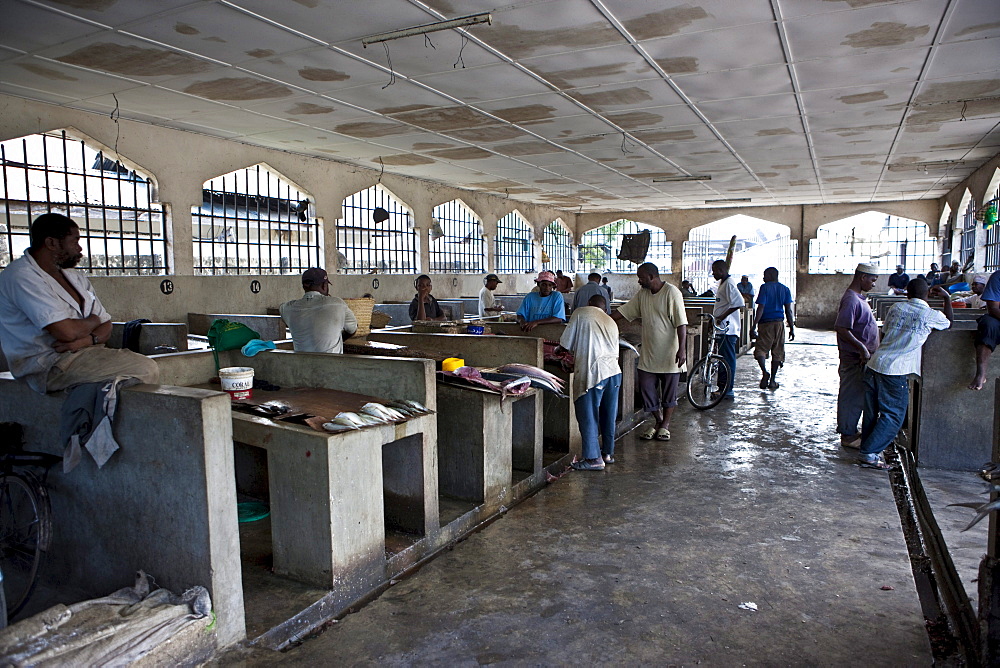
<point>598,249</point>
<point>558,245</point>
<point>514,249</point>
<point>248,214</point>
<point>456,240</point>
<point>48,164</point>
<point>369,247</point>
<point>992,246</point>
<point>968,245</point>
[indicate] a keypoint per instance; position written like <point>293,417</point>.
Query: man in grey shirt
<point>591,289</point>
<point>319,322</point>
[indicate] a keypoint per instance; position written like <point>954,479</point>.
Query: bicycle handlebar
<point>719,330</point>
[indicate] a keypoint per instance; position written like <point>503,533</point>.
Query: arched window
<point>252,221</point>
<point>967,249</point>
<point>992,260</point>
<point>759,244</point>
<point>873,238</point>
<point>369,246</point>
<point>514,250</point>
<point>121,224</point>
<point>456,240</point>
<point>557,243</point>
<point>599,248</point>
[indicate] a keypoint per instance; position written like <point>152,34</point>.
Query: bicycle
<point>25,516</point>
<point>708,378</point>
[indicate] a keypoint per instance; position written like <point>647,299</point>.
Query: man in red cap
<point>543,307</point>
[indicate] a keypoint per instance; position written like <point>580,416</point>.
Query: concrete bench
<point>334,496</point>
<point>270,327</point>
<point>164,503</point>
<point>152,334</point>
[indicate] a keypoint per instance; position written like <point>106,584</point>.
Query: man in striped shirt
<point>907,325</point>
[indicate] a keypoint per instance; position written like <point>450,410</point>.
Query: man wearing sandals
<point>597,379</point>
<point>857,339</point>
<point>664,346</point>
<point>907,325</point>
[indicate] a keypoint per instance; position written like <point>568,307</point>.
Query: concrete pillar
<point>178,232</point>
<point>423,219</point>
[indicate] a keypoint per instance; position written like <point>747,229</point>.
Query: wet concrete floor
<point>650,561</point>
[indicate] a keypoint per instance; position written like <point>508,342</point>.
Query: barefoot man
<point>988,332</point>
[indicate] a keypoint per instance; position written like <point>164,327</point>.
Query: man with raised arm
<point>728,302</point>
<point>319,321</point>
<point>660,306</point>
<point>52,326</point>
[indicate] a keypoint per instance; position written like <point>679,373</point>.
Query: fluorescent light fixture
<point>923,166</point>
<point>460,22</point>
<point>726,201</point>
<point>683,177</point>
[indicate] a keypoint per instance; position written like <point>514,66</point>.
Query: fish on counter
<point>379,411</point>
<point>534,372</point>
<point>622,343</point>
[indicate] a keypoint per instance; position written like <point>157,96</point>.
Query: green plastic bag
<point>228,335</point>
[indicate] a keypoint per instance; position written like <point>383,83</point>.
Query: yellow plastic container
<point>452,363</point>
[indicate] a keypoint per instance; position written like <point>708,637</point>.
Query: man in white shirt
<point>52,326</point>
<point>593,337</point>
<point>487,302</point>
<point>907,325</point>
<point>319,321</point>
<point>728,302</point>
<point>978,286</point>
<point>660,306</point>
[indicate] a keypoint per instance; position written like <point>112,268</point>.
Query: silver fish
<point>406,410</point>
<point>337,425</point>
<point>622,343</point>
<point>533,372</point>
<point>384,411</point>
<point>416,405</point>
<point>342,422</point>
<point>984,510</point>
<point>370,420</point>
<point>353,418</point>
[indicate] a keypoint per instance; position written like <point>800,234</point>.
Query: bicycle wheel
<point>707,381</point>
<point>24,534</point>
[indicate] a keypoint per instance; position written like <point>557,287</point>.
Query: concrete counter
<point>164,503</point>
<point>475,349</point>
<point>950,423</point>
<point>152,334</point>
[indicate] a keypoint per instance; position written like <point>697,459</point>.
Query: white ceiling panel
<point>294,76</point>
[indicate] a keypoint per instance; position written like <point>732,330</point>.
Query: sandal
<point>773,385</point>
<point>764,380</point>
<point>875,463</point>
<point>662,434</point>
<point>587,466</point>
<point>609,459</point>
<point>648,435</point>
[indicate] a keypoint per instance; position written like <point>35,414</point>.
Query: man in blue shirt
<point>988,332</point>
<point>774,302</point>
<point>899,281</point>
<point>543,307</point>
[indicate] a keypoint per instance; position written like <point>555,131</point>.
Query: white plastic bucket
<point>237,381</point>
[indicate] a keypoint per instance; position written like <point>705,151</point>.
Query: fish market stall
<point>350,506</point>
<point>489,446</point>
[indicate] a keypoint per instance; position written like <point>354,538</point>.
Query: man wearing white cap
<point>857,339</point>
<point>988,331</point>
<point>543,307</point>
<point>975,300</point>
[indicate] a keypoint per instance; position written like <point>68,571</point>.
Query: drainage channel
<point>948,615</point>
